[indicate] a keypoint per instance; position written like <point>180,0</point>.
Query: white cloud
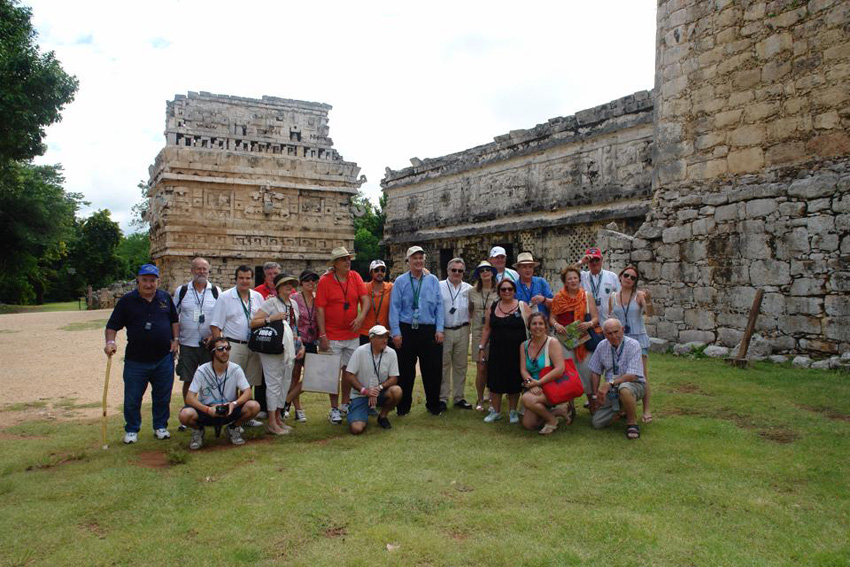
<point>404,80</point>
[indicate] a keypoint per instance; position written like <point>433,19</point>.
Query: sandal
<point>479,405</point>
<point>548,429</point>
<point>633,432</point>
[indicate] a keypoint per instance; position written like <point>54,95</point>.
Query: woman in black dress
<point>505,329</point>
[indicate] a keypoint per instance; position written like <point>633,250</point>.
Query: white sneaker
<point>300,416</point>
<point>130,437</point>
<point>262,415</point>
<point>334,416</point>
<point>162,434</point>
<point>343,408</point>
<point>253,423</point>
<point>197,438</point>
<point>514,416</point>
<point>493,416</point>
<point>235,435</point>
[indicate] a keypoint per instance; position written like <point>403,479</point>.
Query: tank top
<point>631,316</point>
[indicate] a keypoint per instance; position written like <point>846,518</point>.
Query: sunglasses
<point>630,277</point>
<point>456,271</point>
<point>382,270</point>
<point>504,289</point>
<point>223,348</point>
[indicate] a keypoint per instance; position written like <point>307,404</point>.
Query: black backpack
<point>185,288</point>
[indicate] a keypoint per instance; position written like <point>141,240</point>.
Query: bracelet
<point>363,390</point>
<point>325,335</point>
<point>110,342</point>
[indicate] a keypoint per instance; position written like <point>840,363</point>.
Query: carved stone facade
<point>547,189</point>
<point>750,180</point>
<point>246,181</point>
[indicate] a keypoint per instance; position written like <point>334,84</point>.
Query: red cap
<point>594,253</point>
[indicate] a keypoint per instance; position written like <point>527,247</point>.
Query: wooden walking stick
<point>741,360</point>
<point>105,390</point>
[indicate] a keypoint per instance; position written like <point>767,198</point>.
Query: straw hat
<point>340,252</point>
<point>525,258</point>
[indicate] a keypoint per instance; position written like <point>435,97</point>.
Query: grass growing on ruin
<point>738,468</point>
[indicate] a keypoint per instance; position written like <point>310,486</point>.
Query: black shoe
<point>443,407</point>
<point>438,412</point>
<point>181,427</point>
<point>402,413</point>
<point>463,404</point>
<point>384,423</point>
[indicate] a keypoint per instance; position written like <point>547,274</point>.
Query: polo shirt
<point>332,295</point>
<point>539,286</point>
<point>229,314</point>
<point>134,312</point>
<point>363,363</point>
<point>265,290</point>
<point>379,311</point>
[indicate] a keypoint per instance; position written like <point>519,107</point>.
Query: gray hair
<point>271,266</point>
<point>611,322</point>
<point>456,261</point>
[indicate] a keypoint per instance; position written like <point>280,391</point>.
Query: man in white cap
<point>416,324</point>
<point>379,298</point>
<point>455,294</point>
<point>372,375</point>
<point>340,291</point>
<point>598,282</point>
<point>533,290</point>
<point>498,258</point>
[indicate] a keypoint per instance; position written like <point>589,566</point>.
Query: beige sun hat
<point>340,252</point>
<point>525,258</point>
<point>413,250</point>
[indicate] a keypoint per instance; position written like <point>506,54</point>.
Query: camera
<point>221,410</point>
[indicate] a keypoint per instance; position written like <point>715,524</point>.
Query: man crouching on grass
<point>372,374</point>
<point>212,397</point>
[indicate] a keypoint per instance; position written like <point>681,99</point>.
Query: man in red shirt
<point>339,293</point>
<point>270,270</point>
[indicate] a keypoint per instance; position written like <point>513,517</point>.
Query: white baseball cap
<point>376,264</point>
<point>413,250</point>
<point>378,331</point>
<point>497,251</point>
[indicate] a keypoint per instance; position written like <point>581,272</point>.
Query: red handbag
<point>565,388</point>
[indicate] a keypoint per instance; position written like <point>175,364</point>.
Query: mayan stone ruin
<point>732,175</point>
<point>245,181</point>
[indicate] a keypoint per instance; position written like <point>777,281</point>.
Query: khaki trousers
<point>455,359</point>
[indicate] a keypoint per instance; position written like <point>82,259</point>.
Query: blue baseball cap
<point>148,270</point>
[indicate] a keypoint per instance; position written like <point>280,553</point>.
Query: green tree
<point>33,86</point>
<point>95,257</point>
<point>368,232</point>
<point>37,220</point>
<point>139,217</point>
<point>133,251</point>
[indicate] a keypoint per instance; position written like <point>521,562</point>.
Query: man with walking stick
<point>152,341</point>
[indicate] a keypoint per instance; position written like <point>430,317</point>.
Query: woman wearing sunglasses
<point>481,298</point>
<point>629,306</point>
<point>504,329</point>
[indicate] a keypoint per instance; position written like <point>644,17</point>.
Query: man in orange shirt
<point>270,271</point>
<point>379,294</point>
<point>338,295</point>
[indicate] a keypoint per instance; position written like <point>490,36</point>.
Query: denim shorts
<point>204,419</point>
<point>358,408</point>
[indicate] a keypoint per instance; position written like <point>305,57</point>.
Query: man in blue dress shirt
<point>416,324</point>
<point>531,289</point>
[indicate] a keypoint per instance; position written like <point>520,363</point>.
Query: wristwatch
<point>480,347</point>
<point>268,321</point>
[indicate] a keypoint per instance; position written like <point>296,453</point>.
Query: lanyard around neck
<point>416,290</point>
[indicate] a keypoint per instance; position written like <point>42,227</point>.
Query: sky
<point>405,79</point>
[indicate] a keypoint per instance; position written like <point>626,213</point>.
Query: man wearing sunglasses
<point>380,291</point>
<point>598,283</point>
<point>455,294</point>
<point>218,395</point>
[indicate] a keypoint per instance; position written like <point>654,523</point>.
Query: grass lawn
<point>739,468</point>
<point>61,306</point>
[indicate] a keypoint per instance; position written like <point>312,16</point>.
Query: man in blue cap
<point>153,331</point>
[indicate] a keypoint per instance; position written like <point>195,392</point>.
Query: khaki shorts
<point>189,360</point>
<point>344,349</point>
<point>249,361</point>
<point>604,415</point>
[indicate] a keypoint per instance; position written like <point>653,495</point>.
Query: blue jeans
<point>160,374</point>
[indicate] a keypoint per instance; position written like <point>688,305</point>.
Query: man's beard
<point>201,280</point>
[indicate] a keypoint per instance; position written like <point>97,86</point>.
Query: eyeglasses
<point>456,271</point>
<point>630,277</point>
<point>382,270</point>
<point>223,348</point>
<point>504,289</point>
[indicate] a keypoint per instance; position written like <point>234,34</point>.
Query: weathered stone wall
<point>539,190</point>
<point>245,181</point>
<point>752,177</point>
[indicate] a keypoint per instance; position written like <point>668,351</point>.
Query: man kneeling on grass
<point>372,374</point>
<point>618,359</point>
<point>212,398</point>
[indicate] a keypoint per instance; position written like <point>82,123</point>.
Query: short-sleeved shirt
<point>192,330</point>
<point>600,287</point>
<point>273,305</point>
<point>539,286</point>
<point>379,311</point>
<point>265,290</point>
<point>213,388</point>
<point>363,364</point>
<point>628,360</point>
<point>233,316</point>
<point>332,295</point>
<point>148,325</point>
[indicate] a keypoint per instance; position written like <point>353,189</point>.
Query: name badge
<point>627,329</point>
<point>148,326</point>
<point>345,306</point>
<point>452,310</point>
<point>196,316</point>
<point>598,301</point>
<point>201,318</point>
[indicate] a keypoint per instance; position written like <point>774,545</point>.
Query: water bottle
<point>613,397</point>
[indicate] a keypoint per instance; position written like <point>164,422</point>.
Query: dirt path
<point>52,366</point>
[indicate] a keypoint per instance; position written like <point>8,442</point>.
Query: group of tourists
<point>540,350</point>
